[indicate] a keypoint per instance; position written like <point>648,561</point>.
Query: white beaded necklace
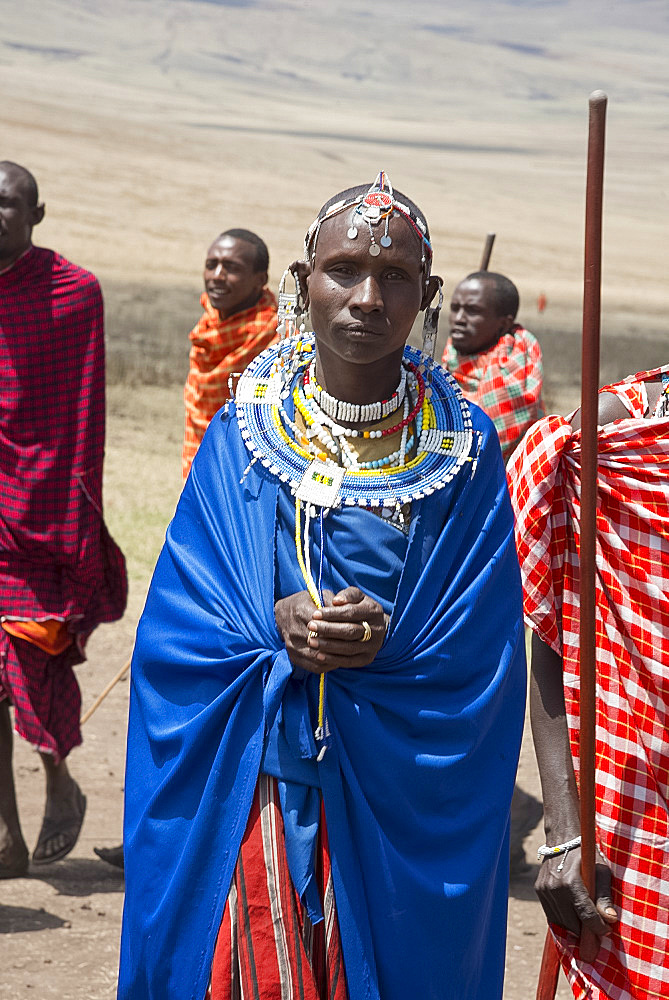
<point>307,399</point>
<point>357,413</point>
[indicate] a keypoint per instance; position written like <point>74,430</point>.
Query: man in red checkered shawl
<point>61,574</point>
<point>239,321</point>
<point>630,957</point>
<point>496,361</point>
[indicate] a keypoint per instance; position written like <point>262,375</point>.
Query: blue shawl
<point>417,782</point>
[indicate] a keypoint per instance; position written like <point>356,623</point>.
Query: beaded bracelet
<point>554,852</point>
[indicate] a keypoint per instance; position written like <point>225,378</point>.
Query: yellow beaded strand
<point>314,595</point>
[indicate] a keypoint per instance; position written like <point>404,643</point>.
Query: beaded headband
<point>372,208</point>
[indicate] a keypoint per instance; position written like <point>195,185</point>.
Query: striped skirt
<point>267,947</point>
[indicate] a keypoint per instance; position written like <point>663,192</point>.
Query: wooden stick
<point>592,280</point>
<point>487,250</point>
<point>550,969</point>
<point>101,697</point>
<point>548,975</point>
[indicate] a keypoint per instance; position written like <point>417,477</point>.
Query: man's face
<point>230,280</point>
<point>475,323</point>
<point>17,217</point>
<point>362,307</point>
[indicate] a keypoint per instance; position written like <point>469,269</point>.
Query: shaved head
<point>25,179</point>
<point>20,211</point>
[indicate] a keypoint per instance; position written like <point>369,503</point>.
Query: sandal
<point>69,829</point>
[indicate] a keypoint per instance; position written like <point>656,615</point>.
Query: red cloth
<point>220,347</point>
<point>632,711</point>
<point>57,559</point>
<point>267,948</point>
<point>505,381</point>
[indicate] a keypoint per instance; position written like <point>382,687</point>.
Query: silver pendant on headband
<point>352,233</point>
<point>375,249</point>
<point>386,241</point>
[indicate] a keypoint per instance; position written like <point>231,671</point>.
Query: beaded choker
<point>354,413</point>
<point>444,439</point>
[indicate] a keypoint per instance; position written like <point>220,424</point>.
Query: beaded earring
<point>289,307</point>
<point>431,324</point>
<point>290,325</point>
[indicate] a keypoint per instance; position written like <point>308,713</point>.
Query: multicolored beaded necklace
<point>443,443</point>
<point>334,436</point>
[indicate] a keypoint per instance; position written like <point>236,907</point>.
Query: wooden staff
<point>101,697</point>
<point>592,280</point>
<point>487,250</point>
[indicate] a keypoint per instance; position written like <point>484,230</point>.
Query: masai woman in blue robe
<point>335,623</point>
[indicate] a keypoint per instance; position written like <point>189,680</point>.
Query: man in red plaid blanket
<point>630,959</point>
<point>61,574</point>
<point>496,361</point>
<point>239,321</point>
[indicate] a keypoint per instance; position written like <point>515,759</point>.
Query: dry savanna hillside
<point>152,126</point>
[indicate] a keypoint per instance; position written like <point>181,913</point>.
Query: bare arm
<point>562,893</point>
<point>610,409</point>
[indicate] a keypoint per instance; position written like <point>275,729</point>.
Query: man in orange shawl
<point>239,321</point>
<point>495,360</point>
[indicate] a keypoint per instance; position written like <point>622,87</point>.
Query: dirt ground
<point>59,927</point>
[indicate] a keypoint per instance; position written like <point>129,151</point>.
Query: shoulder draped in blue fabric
<point>417,783</point>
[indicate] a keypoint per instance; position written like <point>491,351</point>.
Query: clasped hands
<point>324,639</point>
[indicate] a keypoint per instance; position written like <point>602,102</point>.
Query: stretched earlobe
<point>431,318</point>
<point>301,269</point>
<point>432,286</point>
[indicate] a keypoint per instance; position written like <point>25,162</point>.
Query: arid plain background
<point>153,124</point>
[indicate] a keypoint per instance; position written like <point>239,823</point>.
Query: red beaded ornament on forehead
<point>377,206</point>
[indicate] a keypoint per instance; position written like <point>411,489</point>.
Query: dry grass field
<point>151,126</point>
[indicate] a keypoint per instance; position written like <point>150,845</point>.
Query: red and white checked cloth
<point>632,621</point>
<point>505,381</point>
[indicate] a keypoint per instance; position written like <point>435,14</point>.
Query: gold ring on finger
<point>312,634</point>
<point>367,631</point>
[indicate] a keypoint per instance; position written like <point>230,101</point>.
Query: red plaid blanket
<point>57,559</point>
<point>219,348</point>
<point>632,767</point>
<point>505,381</point>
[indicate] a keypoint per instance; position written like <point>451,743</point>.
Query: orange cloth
<point>50,635</point>
<point>220,347</point>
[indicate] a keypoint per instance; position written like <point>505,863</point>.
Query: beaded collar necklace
<point>444,445</point>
